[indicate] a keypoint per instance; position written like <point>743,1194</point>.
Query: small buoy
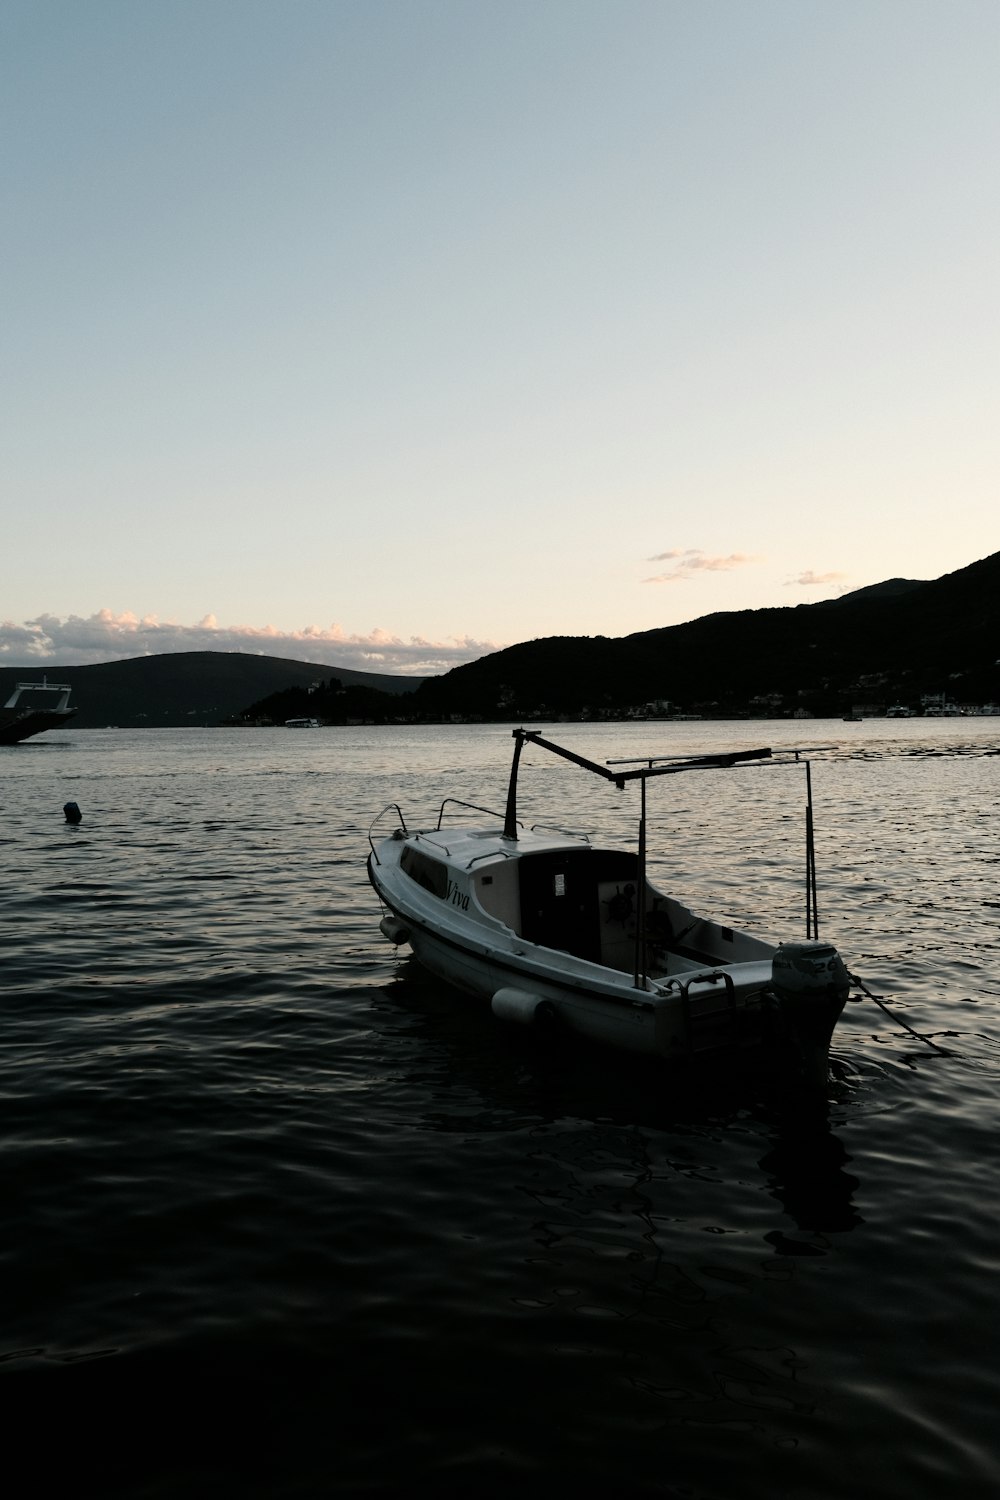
<point>72,811</point>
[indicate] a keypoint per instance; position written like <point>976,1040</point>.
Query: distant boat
<point>18,722</point>
<point>899,711</point>
<point>301,723</point>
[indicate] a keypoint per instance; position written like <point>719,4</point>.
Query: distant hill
<point>884,644</point>
<point>187,687</point>
<point>891,642</point>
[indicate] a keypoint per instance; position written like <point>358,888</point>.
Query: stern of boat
<point>810,985</point>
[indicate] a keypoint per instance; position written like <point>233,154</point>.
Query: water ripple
<point>299,1219</point>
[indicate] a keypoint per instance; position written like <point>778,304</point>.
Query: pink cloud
<point>809,579</point>
<point>106,636</point>
<point>694,561</point>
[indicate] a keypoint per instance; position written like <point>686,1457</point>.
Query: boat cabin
<point>579,900</point>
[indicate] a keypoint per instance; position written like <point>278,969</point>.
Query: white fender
<point>520,1006</point>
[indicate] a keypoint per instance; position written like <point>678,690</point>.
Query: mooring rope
<point>898,1019</point>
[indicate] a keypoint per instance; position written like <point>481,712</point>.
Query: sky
<point>385,333</point>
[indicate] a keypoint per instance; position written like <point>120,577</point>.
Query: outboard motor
<point>811,985</point>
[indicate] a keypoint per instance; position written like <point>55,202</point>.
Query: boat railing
<point>682,986</point>
<point>472,807</point>
<point>570,833</point>
<point>389,807</point>
<point>422,836</point>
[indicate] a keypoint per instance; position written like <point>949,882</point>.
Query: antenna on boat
<point>812,911</point>
<point>639,968</point>
<point>510,815</point>
<point>800,756</point>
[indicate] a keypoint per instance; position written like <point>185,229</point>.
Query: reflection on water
<point>806,1170</point>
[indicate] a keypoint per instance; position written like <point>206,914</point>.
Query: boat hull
<point>701,1008</point>
<point>15,727</point>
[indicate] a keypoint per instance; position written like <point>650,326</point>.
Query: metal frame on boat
<point>559,933</point>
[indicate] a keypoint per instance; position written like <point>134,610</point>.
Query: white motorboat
<point>558,933</point>
<point>302,723</point>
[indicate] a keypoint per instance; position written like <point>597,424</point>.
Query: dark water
<point>283,1217</point>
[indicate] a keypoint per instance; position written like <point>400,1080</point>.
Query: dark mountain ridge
<point>187,687</point>
<point>891,588</point>
<point>885,643</point>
